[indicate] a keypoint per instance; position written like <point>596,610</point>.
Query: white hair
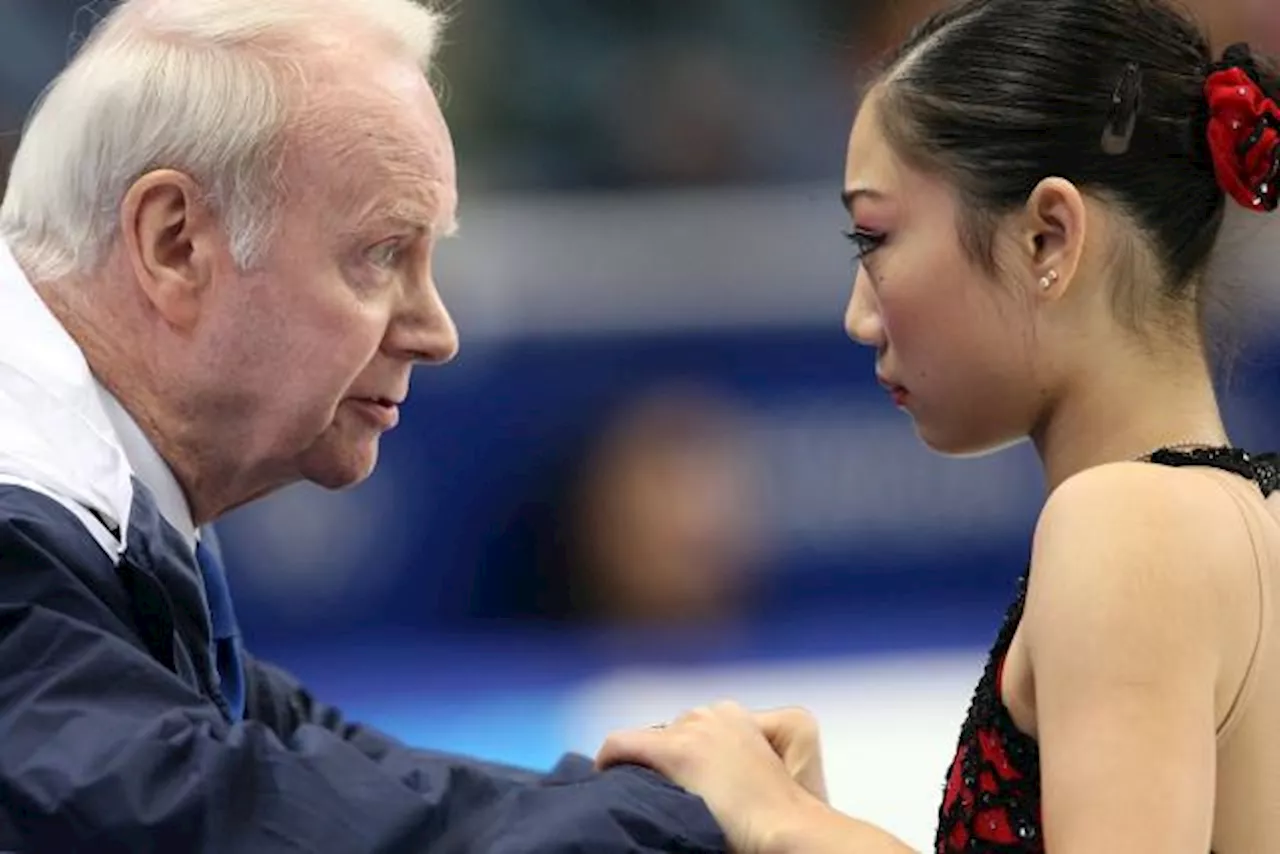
<point>204,87</point>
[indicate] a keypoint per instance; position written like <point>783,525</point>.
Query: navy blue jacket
<point>113,737</point>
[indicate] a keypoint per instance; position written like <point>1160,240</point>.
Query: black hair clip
<point>1126,101</point>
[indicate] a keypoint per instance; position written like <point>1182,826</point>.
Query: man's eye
<point>387,254</point>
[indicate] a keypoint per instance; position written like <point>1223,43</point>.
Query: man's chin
<point>332,466</point>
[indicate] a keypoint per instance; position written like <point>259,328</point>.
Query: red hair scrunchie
<point>1244,139</point>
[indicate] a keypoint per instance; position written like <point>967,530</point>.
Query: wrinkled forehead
<point>379,146</point>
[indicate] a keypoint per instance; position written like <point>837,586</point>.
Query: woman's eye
<point>864,242</point>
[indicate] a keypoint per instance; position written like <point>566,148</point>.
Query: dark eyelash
<point>864,242</point>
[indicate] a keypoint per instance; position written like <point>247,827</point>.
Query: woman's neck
<point>1112,414</point>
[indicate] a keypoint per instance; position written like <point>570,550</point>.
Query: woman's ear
<point>1054,229</point>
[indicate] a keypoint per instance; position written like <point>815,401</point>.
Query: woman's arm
<point>1124,627</point>
<point>819,829</point>
<point>761,776</point>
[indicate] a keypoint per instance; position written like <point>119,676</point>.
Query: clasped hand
<point>758,772</point>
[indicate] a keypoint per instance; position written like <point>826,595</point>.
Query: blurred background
<point>658,474</point>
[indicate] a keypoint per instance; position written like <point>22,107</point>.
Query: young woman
<point>1035,189</point>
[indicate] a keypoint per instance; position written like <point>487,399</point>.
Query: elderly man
<point>215,278</point>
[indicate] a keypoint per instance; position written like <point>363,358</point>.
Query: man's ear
<point>171,237</point>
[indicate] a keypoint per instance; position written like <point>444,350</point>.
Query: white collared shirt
<point>61,433</point>
<point>149,467</point>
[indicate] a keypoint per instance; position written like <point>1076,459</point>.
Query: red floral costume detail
<point>992,798</point>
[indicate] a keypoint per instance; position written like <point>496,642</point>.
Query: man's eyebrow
<point>417,212</point>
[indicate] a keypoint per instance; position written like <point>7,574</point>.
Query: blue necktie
<point>226,633</point>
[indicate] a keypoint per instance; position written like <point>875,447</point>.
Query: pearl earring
<point>1046,282</point>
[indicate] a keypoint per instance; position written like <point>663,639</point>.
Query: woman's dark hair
<point>1000,94</point>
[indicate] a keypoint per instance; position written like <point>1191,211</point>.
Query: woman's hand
<point>758,773</point>
<point>793,735</point>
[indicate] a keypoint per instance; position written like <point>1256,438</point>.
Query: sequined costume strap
<point>1262,469</point>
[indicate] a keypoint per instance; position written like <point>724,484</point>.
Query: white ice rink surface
<point>889,724</point>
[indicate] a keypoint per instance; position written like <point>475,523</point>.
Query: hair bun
<point>1244,131</point>
<point>1260,68</point>
<point>1239,55</point>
